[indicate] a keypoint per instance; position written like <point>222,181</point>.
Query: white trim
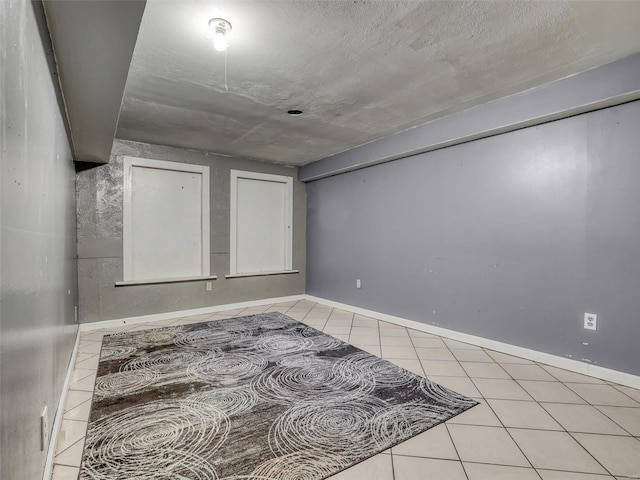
<point>165,280</point>
<point>596,371</point>
<point>261,274</point>
<point>57,421</point>
<point>127,214</point>
<point>233,241</point>
<point>85,327</point>
<point>206,218</point>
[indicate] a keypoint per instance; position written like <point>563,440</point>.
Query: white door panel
<point>165,233</point>
<point>261,226</point>
<point>261,222</point>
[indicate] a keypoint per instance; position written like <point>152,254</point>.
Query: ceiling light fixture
<point>221,28</point>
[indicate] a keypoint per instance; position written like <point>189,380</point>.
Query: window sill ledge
<point>261,274</point>
<point>165,280</point>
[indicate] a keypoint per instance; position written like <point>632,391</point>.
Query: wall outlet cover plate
<point>44,429</point>
<point>590,321</point>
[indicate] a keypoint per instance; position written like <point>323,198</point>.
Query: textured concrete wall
<point>100,191</point>
<point>37,238</point>
<point>511,238</point>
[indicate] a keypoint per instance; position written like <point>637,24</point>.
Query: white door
<point>261,222</point>
<point>166,220</point>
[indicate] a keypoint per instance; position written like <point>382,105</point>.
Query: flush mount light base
<point>220,28</point>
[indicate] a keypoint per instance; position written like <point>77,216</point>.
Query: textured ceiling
<point>359,70</point>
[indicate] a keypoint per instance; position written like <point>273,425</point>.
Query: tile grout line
<point>500,420</point>
<point>474,384</point>
<point>616,385</point>
<point>71,420</point>
<point>393,466</point>
<point>629,434</point>
<point>563,429</point>
<point>589,453</point>
<point>424,373</point>
<point>617,423</point>
<point>456,449</point>
<point>68,448</point>
<point>488,406</point>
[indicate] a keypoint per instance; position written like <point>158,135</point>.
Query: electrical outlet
<point>358,283</point>
<point>209,286</point>
<point>44,429</point>
<point>590,321</point>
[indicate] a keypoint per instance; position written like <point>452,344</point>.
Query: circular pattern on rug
<point>286,385</point>
<point>116,352</point>
<point>417,417</point>
<point>161,336</point>
<point>230,401</point>
<point>274,321</point>
<point>326,342</point>
<point>206,338</point>
<point>237,323</point>
<point>227,369</point>
<point>289,342</point>
<point>172,465</point>
<point>167,360</point>
<point>443,395</point>
<point>396,422</point>
<point>303,359</point>
<point>369,368</point>
<point>304,465</point>
<point>124,383</point>
<point>155,438</point>
<point>255,398</point>
<point>347,429</point>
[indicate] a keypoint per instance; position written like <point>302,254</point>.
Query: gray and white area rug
<point>262,397</point>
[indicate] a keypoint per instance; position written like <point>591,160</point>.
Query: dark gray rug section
<point>262,397</point>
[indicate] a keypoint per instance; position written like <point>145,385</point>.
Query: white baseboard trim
<point>85,327</point>
<point>596,371</point>
<point>534,355</point>
<point>57,421</point>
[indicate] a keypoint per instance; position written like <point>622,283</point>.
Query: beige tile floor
<point>534,421</point>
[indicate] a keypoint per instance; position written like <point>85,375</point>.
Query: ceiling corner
<point>93,42</point>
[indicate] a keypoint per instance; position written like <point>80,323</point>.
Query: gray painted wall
<point>37,238</point>
<point>511,237</point>
<point>100,191</point>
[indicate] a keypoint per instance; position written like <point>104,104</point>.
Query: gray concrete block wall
<point>37,239</point>
<point>511,238</point>
<point>100,193</point>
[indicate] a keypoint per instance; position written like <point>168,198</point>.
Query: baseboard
<point>607,374</point>
<point>57,421</point>
<point>185,313</point>
<point>596,371</point>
